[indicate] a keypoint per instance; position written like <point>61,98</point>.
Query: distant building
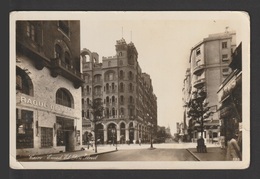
<point>208,68</point>
<point>230,98</point>
<point>48,93</point>
<point>125,91</point>
<point>168,131</point>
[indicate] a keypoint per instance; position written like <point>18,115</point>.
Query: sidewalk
<point>213,154</point>
<point>66,156</point>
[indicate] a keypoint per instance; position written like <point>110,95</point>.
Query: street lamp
<point>151,130</point>
<point>114,132</point>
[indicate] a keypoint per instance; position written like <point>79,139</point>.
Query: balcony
<point>98,82</point>
<point>198,69</point>
<point>199,83</point>
<point>58,67</point>
<point>111,91</point>
<point>98,95</point>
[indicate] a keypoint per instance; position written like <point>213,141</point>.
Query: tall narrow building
<point>126,93</point>
<point>209,61</point>
<point>48,80</point>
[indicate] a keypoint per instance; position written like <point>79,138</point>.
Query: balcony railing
<point>98,95</point>
<point>198,69</point>
<point>59,67</point>
<point>199,83</point>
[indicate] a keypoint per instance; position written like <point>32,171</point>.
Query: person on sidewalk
<point>233,150</point>
<point>140,141</point>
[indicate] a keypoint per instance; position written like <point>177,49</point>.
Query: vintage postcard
<point>129,90</point>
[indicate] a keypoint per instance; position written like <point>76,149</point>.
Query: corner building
<point>209,67</point>
<point>130,106</point>
<point>48,93</point>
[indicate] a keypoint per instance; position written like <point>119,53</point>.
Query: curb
<point>110,151</point>
<point>91,155</point>
<point>197,158</point>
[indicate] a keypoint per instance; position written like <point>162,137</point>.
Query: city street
<point>147,155</point>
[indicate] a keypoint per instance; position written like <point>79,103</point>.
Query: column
<point>105,135</point>
<point>135,136</point>
<point>127,134</point>
<point>118,135</point>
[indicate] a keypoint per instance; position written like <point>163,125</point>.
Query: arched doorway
<point>100,134</point>
<point>131,132</point>
<point>122,133</point>
<point>111,133</point>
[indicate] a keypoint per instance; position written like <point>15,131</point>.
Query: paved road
<point>145,155</point>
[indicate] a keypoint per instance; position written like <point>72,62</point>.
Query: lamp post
<point>151,131</point>
<point>113,132</point>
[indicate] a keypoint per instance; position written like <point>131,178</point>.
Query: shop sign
<point>43,104</point>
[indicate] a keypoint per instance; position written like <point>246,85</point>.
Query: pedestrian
<point>140,141</point>
<point>233,149</point>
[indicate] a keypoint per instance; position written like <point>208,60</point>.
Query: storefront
<point>48,115</point>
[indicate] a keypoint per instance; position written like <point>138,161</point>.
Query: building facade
<point>230,99</point>
<point>48,93</point>
<point>208,67</point>
<point>130,106</point>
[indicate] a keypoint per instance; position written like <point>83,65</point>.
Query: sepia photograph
<point>129,90</point>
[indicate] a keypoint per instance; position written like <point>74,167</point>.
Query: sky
<point>163,41</point>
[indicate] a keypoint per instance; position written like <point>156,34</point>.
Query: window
<point>111,76</point>
<point>67,58</point>
<point>46,137</point>
<point>58,51</point>
<point>23,82</point>
<point>107,99</point>
<point>121,74</point>
<point>224,57</point>
<point>122,111</point>
<point>97,78</point>
<point>224,44</point>
<point>24,129</point>
<point>225,70</point>
<point>63,97</point>
<point>30,31</point>
<point>131,87</point>
<point>113,86</point>
<point>88,114</point>
<point>88,90</point>
<point>86,77</point>
<point>130,75</point>
<point>131,112</point>
<point>131,60</point>
<point>107,87</point>
<point>64,27</point>
<point>107,112</point>
<point>121,87</point>
<point>121,99</point>
<point>63,126</point>
<point>82,102</point>
<point>131,99</point>
<point>113,99</point>
<point>113,112</point>
<point>120,54</point>
<point>198,51</point>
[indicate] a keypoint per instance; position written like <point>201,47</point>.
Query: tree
<point>96,109</point>
<point>199,111</point>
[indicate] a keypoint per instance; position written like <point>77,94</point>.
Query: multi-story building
<point>230,99</point>
<point>209,61</point>
<point>48,80</point>
<point>125,91</point>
